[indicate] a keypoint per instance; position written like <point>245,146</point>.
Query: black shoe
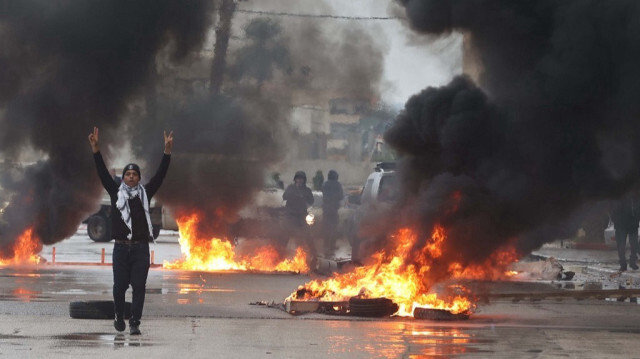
<point>119,324</point>
<point>633,266</point>
<point>622,269</point>
<point>134,330</point>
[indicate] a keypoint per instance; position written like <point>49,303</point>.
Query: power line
<point>322,16</point>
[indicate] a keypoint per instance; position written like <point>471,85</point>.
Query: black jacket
<point>119,229</point>
<point>331,195</point>
<point>298,199</point>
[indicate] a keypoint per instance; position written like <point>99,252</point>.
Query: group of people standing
<point>299,198</point>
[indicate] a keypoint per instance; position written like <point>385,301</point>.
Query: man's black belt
<point>126,241</point>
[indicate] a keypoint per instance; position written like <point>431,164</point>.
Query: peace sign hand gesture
<point>94,141</point>
<point>168,142</point>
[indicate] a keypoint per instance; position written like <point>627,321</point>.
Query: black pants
<point>130,267</point>
<point>621,242</point>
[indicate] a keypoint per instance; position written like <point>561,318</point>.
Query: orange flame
<point>24,250</point>
<point>219,254</point>
<point>494,268</point>
<point>406,284</point>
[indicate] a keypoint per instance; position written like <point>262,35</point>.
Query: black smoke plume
<point>66,66</point>
<point>226,142</point>
<point>553,124</point>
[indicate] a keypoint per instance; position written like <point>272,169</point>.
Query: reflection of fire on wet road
<point>399,336</point>
<point>216,254</point>
<point>25,295</point>
<point>23,251</point>
<point>390,275</point>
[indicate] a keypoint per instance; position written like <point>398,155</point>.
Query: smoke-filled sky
<point>65,67</point>
<point>135,68</point>
<point>411,61</point>
<point>553,124</point>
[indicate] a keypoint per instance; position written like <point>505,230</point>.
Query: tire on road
<point>372,307</point>
<point>98,228</point>
<point>96,309</point>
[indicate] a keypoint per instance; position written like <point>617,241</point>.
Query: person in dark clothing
<point>318,180</point>
<point>299,197</point>
<point>332,194</point>
<point>625,217</point>
<point>131,229</point>
<point>278,181</point>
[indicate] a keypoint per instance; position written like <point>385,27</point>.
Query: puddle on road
<point>100,340</point>
<point>412,340</point>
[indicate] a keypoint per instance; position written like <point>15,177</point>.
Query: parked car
<point>379,190</point>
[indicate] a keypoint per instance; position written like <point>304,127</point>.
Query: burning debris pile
<point>389,275</point>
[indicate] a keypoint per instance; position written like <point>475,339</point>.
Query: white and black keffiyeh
<point>125,193</point>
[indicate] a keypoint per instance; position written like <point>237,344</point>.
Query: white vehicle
<point>380,192</point>
<point>381,186</point>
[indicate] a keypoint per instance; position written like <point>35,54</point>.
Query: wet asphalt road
<point>209,315</point>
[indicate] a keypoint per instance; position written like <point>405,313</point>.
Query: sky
<point>412,62</point>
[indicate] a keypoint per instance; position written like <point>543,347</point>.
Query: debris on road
<point>297,307</point>
<point>438,314</point>
<point>548,269</point>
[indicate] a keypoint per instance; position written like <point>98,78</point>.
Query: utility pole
<point>223,31</point>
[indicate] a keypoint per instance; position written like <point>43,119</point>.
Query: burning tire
<point>98,228</point>
<point>372,307</point>
<point>96,309</point>
<point>438,314</point>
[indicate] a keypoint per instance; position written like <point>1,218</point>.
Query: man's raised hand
<point>168,142</point>
<point>94,140</point>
